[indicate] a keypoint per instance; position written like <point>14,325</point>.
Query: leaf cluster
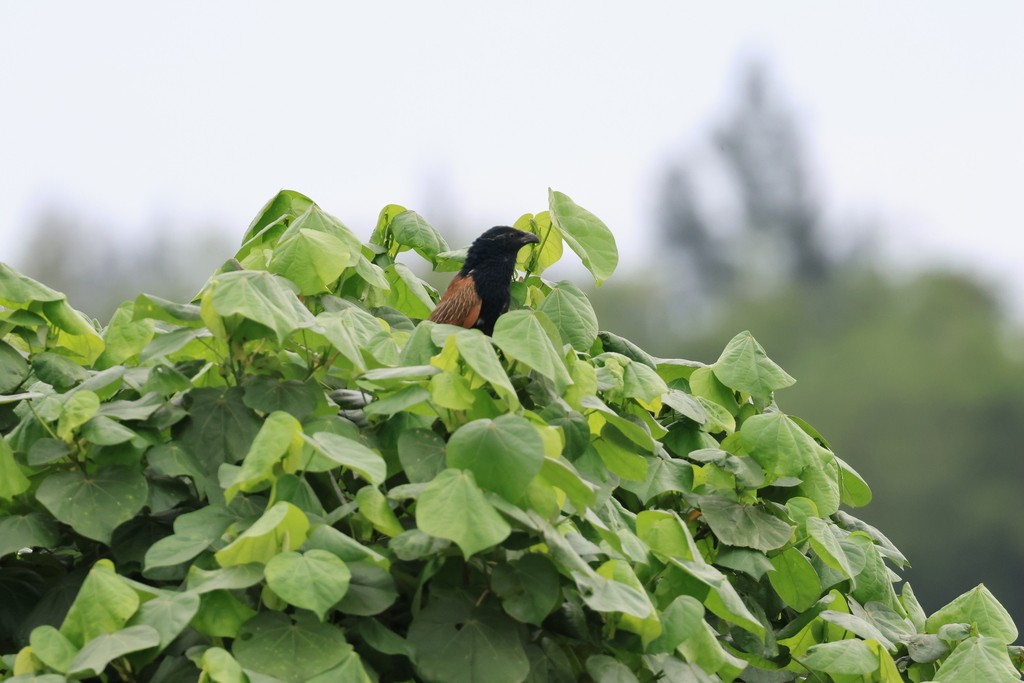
<point>295,477</point>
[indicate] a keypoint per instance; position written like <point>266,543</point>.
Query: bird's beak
<point>530,238</point>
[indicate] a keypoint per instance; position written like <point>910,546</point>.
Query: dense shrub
<point>294,479</point>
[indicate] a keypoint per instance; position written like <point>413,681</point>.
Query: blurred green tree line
<point>932,408</point>
<point>932,411</point>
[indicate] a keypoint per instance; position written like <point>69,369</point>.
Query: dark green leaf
<point>458,641</point>
<point>503,454</point>
<point>95,504</point>
<point>272,644</point>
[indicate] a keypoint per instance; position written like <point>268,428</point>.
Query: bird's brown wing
<point>460,304</point>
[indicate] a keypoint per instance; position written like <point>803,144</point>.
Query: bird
<point>479,293</point>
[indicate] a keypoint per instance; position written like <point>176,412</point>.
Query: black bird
<point>479,293</point>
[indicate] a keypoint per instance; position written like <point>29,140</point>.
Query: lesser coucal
<point>479,293</point>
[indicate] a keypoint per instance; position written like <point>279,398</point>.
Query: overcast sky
<point>198,112</point>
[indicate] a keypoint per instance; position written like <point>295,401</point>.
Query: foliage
<point>292,478</point>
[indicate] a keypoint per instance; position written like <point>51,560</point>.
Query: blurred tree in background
<point>98,272</point>
<point>932,411</point>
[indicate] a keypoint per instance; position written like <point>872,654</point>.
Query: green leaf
<point>778,444</point>
<point>451,391</point>
<point>94,504</point>
<point>351,454</point>
<point>478,352</point>
<point>271,644</point>
<point>854,491</point>
<point>503,454</point>
<point>795,580</point>
<point>78,409</point>
<point>52,647</point>
<point>313,580</point>
<point>103,605</point>
<point>457,641</point>
<point>665,534</point>
<point>407,293</point>
<point>349,331</point>
<point>827,547</point>
<point>850,657</point>
<point>663,475</point>
<point>13,368</point>
<point>374,506</point>
<point>412,232</point>
<point>422,454</point>
<point>125,337</point>
<point>311,259</point>
<point>281,528</point>
<point>220,427</point>
<point>572,315</point>
<point>744,366</point>
<point>585,234</point>
<point>978,659</point>
<point>94,656</point>
<point>267,394</point>
<point>226,578</point>
<point>563,475</point>
<point>371,590</point>
<point>744,525</point>
<point>103,431</point>
<point>12,481</point>
<point>279,436</point>
<point>604,669</point>
<point>287,205</point>
<point>528,587</point>
<point>220,667</point>
<point>402,399</point>
<point>977,606</point>
<point>452,506</point>
<point>538,257</point>
<point>529,337</point>
<point>221,614</point>
<point>260,297</point>
<point>28,530</point>
<point>168,613</point>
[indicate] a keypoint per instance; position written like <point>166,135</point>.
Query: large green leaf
<point>503,454</point>
<point>452,506</point>
<point>778,444</point>
<point>744,525</point>
<point>314,580</point>
<point>351,454</point>
<point>94,656</point>
<point>411,231</point>
<point>12,481</point>
<point>528,587</point>
<point>284,207</point>
<point>978,659</point>
<point>280,435</point>
<point>349,331</point>
<point>13,368</point>
<point>407,293</point>
<point>168,613</point>
<point>794,579</point>
<point>260,297</point>
<point>94,504</point>
<point>744,366</point>
<point>586,234</point>
<point>478,352</point>
<point>27,530</point>
<point>282,527</point>
<point>529,337</point>
<point>459,641</point>
<point>371,590</point>
<point>976,606</point>
<point>272,644</point>
<point>103,605</point>
<point>311,259</point>
<point>219,428</point>
<point>572,315</point>
<point>850,657</point>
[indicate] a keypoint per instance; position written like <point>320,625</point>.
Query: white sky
<point>128,112</point>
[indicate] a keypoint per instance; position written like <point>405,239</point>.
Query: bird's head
<point>502,238</point>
